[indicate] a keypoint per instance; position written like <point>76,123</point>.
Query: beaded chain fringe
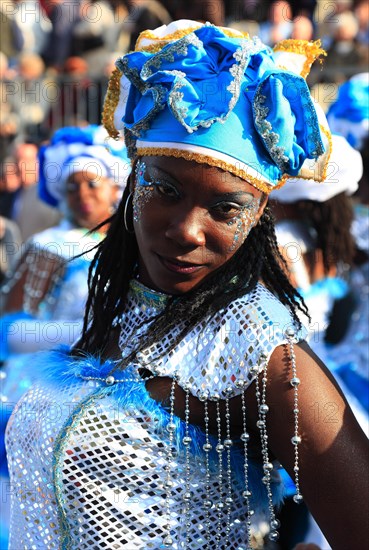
<point>223,450</point>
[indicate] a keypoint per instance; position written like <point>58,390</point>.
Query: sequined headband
<point>216,96</point>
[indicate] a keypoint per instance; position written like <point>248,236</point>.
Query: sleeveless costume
<point>95,461</point>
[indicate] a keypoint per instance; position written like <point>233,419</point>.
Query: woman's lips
<point>85,209</point>
<point>177,266</point>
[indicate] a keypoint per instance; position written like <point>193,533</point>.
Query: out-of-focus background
<point>56,55</point>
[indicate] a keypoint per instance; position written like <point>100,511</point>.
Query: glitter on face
<point>143,191</point>
<point>245,221</point>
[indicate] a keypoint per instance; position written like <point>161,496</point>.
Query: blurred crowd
<point>55,61</point>
<point>56,56</point>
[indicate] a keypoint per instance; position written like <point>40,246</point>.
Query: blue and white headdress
<point>216,96</point>
<point>344,171</point>
<point>349,114</point>
<point>74,149</point>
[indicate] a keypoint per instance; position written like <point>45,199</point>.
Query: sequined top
<point>95,462</point>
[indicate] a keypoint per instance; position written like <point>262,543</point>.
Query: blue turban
<point>213,95</point>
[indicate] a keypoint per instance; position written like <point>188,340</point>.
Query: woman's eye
<point>166,190</point>
<point>227,209</point>
<point>94,184</point>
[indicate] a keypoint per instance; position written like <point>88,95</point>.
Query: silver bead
<point>260,423</point>
<point>295,440</point>
<point>228,390</point>
<point>298,498</point>
<point>254,370</point>
<point>187,496</point>
<point>219,448</point>
<point>203,397</point>
<point>268,467</point>
<point>186,440</point>
<point>246,494</point>
<point>245,436</point>
<point>273,536</point>
<point>171,427</point>
<point>208,504</point>
<point>240,384</point>
<point>229,500</point>
<point>228,443</point>
<point>290,333</point>
<point>263,409</point>
<point>295,381</point>
<point>275,524</point>
<point>219,505</point>
<point>109,380</point>
<point>265,479</point>
<point>207,447</point>
<point>168,541</point>
<point>296,411</point>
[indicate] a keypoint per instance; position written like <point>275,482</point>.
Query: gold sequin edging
<point>162,41</point>
<point>111,103</point>
<point>259,184</point>
<point>310,49</point>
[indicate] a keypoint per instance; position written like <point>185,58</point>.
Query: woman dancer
<point>191,376</point>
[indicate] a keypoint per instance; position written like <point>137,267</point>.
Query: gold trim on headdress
<point>311,50</point>
<point>111,103</point>
<point>259,184</point>
<point>161,41</point>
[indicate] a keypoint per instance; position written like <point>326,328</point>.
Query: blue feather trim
<point>57,367</point>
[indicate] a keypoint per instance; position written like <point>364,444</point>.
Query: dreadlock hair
<point>114,265</point>
<point>331,221</point>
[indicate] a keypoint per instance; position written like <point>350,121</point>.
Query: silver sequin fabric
<point>88,462</point>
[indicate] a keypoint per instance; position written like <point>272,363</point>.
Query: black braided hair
<point>114,264</point>
<point>331,221</point>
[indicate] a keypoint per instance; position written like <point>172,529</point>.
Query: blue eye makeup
<point>145,189</point>
<point>245,221</point>
<point>227,208</point>
<point>143,192</point>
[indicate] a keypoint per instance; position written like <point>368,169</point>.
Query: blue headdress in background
<point>349,114</point>
<point>76,149</point>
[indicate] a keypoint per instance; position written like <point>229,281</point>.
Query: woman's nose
<point>187,229</point>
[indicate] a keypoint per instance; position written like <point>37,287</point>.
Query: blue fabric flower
<point>225,94</point>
